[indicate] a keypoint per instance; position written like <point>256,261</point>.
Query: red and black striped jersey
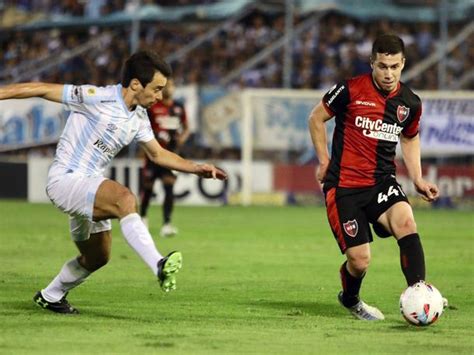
<point>167,122</point>
<point>368,126</point>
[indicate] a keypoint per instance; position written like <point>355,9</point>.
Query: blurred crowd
<point>89,8</point>
<point>336,49</point>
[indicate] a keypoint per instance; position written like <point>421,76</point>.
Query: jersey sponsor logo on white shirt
<point>76,94</point>
<point>99,143</point>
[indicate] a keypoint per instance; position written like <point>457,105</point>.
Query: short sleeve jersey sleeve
<point>413,127</point>
<point>86,98</point>
<point>335,101</point>
<point>145,132</point>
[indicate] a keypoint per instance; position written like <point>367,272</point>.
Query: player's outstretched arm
<point>317,129</point>
<point>51,92</point>
<point>170,160</point>
<point>411,156</point>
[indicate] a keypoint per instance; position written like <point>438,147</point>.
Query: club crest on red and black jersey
<point>402,113</point>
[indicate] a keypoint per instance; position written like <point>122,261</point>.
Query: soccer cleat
<point>445,303</point>
<point>362,310</point>
<point>167,269</point>
<point>168,230</point>
<point>62,306</point>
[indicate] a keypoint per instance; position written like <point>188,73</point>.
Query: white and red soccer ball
<point>421,304</point>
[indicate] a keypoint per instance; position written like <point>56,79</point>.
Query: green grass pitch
<point>259,280</point>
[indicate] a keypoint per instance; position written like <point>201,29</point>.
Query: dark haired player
<point>102,121</point>
<point>373,113</point>
<point>170,126</point>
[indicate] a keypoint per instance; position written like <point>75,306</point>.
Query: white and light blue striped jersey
<point>98,127</point>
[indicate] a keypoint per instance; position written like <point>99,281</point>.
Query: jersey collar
<point>122,101</point>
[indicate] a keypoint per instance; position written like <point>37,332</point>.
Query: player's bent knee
<point>410,224</point>
<point>127,203</point>
<point>361,266</point>
<point>404,227</point>
<point>96,262</point>
<point>359,263</point>
<point>93,263</point>
<point>102,260</point>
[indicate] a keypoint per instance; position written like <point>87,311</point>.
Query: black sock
<point>145,201</point>
<point>412,259</point>
<point>168,203</point>
<point>350,286</point>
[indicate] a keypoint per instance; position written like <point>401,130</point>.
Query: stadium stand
<point>337,48</point>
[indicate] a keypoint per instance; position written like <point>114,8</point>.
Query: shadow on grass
<point>403,326</point>
<point>25,307</point>
<point>296,308</point>
<point>14,307</point>
<point>93,313</point>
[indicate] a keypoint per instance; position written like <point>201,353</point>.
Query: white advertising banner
<point>189,189</point>
<point>447,126</point>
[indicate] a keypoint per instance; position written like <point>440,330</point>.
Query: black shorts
<point>351,210</point>
<point>152,171</point>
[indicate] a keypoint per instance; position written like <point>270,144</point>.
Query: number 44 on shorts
<point>392,190</point>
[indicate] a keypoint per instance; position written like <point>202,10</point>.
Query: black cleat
<point>62,306</point>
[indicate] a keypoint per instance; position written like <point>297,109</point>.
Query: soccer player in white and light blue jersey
<point>102,121</point>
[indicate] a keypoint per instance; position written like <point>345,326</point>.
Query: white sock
<point>71,275</point>
<point>139,238</point>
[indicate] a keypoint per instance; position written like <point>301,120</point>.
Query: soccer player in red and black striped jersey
<point>373,112</point>
<point>170,126</point>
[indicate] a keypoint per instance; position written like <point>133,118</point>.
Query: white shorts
<point>74,194</point>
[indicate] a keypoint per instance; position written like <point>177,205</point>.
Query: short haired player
<point>102,121</point>
<point>373,112</point>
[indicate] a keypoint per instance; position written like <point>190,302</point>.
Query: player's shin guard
<point>412,258</point>
<point>168,203</point>
<point>350,286</point>
<point>71,275</point>
<point>139,238</point>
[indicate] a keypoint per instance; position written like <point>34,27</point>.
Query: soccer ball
<point>421,304</point>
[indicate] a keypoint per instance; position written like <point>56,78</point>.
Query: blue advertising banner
<point>25,123</point>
